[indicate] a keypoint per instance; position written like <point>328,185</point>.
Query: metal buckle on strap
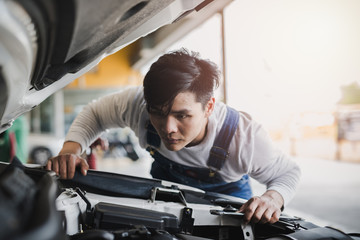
<point>212,172</point>
<point>151,150</point>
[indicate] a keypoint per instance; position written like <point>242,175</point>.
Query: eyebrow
<point>159,112</point>
<point>181,111</point>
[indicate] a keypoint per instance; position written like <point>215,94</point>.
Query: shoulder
<point>127,98</point>
<point>220,111</point>
<point>130,93</point>
<point>122,96</point>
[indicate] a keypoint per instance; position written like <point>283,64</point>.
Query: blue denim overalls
<point>207,179</point>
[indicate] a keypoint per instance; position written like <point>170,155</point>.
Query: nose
<point>170,125</point>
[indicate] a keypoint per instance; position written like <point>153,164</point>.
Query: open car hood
<point>46,44</point>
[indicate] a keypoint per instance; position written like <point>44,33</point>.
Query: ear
<point>210,107</point>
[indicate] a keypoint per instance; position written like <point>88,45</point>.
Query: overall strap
<point>152,137</point>
<point>220,150</point>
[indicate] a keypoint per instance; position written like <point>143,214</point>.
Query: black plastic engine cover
<point>114,217</point>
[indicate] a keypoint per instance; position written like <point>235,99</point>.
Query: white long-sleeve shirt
<point>251,149</point>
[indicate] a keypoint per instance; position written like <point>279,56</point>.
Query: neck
<point>200,137</point>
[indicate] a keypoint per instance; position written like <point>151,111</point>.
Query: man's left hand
<point>264,209</point>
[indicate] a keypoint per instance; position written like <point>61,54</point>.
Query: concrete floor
<point>328,195</point>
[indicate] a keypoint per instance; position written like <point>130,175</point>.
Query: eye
<point>182,116</point>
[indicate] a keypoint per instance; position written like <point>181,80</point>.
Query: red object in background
<point>12,139</point>
<point>91,158</point>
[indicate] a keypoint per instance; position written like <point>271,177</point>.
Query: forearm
<point>286,183</point>
<point>85,128</point>
<point>282,176</point>
<point>112,111</point>
<point>273,168</point>
<point>92,121</point>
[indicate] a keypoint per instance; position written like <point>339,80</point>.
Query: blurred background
<point>293,65</point>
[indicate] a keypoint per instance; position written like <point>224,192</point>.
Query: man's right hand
<point>66,162</point>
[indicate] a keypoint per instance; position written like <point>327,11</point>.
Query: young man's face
<point>185,125</point>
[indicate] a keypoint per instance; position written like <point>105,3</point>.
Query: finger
<point>71,166</point>
<point>248,203</point>
<point>49,164</point>
<point>249,210</point>
<point>63,166</point>
<point>267,216</point>
<point>242,208</point>
<point>258,214</point>
<point>84,166</point>
<point>55,165</point>
<point>275,217</point>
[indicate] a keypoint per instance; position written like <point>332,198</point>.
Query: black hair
<point>176,72</point>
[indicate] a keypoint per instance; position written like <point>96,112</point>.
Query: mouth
<point>172,140</point>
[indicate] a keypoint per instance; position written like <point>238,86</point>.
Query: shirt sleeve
<point>116,110</point>
<point>272,167</point>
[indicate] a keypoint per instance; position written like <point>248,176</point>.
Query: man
<point>193,139</point>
